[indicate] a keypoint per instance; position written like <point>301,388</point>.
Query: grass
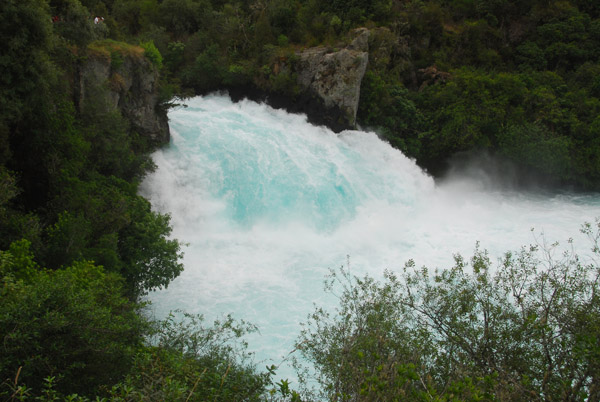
<point>106,48</point>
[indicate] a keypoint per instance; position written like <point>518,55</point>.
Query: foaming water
<point>268,202</point>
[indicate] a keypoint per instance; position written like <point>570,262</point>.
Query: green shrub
<point>525,328</point>
<point>71,324</point>
<point>152,53</point>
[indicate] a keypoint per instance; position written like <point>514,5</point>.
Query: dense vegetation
<point>524,329</point>
<point>520,79</point>
<point>80,245</point>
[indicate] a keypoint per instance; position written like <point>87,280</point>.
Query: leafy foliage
<point>392,112</point>
<point>474,46</point>
<point>26,30</point>
<point>71,324</point>
<point>152,53</point>
<point>519,79</point>
<point>71,334</point>
<point>520,330</point>
<point>196,362</point>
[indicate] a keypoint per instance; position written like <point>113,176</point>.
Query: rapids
<point>267,203</point>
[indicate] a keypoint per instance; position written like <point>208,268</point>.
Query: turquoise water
<point>268,203</point>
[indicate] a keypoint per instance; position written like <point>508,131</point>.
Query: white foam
<point>268,203</point>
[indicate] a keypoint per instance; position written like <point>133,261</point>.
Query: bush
<point>388,108</point>
<point>521,330</point>
<point>207,71</point>
<point>71,335</point>
<point>71,324</point>
<point>195,362</point>
<point>539,149</point>
<point>76,26</point>
<point>152,53</point>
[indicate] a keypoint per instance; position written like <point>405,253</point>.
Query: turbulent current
<point>267,203</point>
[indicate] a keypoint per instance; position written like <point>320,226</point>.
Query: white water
<point>268,203</point>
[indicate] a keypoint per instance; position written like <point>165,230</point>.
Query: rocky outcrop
<point>126,82</point>
<point>332,78</point>
<point>322,82</point>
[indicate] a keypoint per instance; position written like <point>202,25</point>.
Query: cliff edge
<point>322,82</point>
<point>333,78</point>
<point>118,77</point>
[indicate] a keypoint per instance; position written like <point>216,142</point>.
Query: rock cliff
<point>333,77</point>
<point>322,82</point>
<point>124,80</point>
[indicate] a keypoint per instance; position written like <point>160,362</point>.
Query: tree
<point>207,71</point>
<point>183,17</point>
<point>70,334</point>
<point>365,349</point>
<point>524,329</point>
<point>538,148</point>
<point>72,324</point>
<point>470,110</point>
<point>150,258</point>
<point>136,15</point>
<point>26,31</point>
<point>76,25</point>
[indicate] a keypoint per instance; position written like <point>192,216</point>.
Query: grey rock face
<point>334,77</point>
<point>131,87</point>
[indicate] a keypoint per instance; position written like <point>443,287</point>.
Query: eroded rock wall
<point>129,86</point>
<point>333,77</point>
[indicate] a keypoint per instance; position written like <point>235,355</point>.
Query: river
<point>267,203</point>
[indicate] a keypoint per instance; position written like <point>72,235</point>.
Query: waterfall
<point>268,203</point>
